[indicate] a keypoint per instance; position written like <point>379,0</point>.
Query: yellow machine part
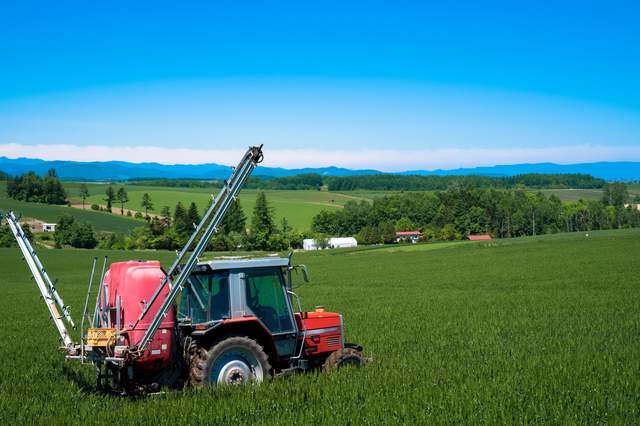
<point>98,337</point>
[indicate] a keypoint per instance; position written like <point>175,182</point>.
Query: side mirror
<point>305,276</point>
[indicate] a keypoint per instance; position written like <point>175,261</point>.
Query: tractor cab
<point>224,293</point>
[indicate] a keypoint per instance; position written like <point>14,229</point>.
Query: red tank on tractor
<point>200,323</point>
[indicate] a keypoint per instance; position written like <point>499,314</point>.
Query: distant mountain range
<point>120,170</point>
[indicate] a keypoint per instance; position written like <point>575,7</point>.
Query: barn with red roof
<point>478,237</point>
<point>413,234</point>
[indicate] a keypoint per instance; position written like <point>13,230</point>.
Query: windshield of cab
<point>205,298</point>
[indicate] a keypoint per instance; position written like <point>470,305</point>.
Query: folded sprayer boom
<point>47,288</point>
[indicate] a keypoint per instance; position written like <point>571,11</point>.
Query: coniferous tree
<point>180,219</point>
<point>146,203</point>
<point>263,215</point>
<point>192,216</point>
<point>235,220</point>
<point>389,234</point>
<point>262,223</point>
<point>285,225</point>
<point>84,193</point>
<point>166,216</point>
<point>122,197</point>
<point>111,196</point>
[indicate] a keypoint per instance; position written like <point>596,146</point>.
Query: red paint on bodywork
<point>319,342</point>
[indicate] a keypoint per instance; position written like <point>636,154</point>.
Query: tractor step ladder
<point>46,287</point>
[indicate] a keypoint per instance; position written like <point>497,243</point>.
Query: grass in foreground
<point>536,331</point>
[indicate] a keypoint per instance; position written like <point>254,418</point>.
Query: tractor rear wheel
<point>231,360</point>
<point>343,357</point>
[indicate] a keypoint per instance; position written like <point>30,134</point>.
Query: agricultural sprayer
<point>201,323</point>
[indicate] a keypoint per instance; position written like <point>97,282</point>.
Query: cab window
<point>205,298</point>
<point>265,294</point>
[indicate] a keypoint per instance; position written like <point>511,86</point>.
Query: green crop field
<point>571,195</point>
<point>298,207</point>
<point>528,330</point>
<point>100,221</point>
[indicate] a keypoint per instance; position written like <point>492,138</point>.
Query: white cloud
<point>383,160</point>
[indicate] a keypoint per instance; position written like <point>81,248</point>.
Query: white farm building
<point>333,243</point>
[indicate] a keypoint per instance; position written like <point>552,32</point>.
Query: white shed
<point>343,242</point>
<point>49,227</point>
<point>333,243</point>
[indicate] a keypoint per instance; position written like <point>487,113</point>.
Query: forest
<point>298,182</point>
<point>175,183</point>
<point>33,188</point>
<point>459,212</point>
<point>391,182</point>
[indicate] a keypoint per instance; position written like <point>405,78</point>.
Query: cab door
<point>266,299</point>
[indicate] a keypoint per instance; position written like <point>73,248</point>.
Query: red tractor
<point>203,323</point>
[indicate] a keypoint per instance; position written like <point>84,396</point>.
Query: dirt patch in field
<point>114,210</point>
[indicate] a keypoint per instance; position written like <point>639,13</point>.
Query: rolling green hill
<point>47,213</point>
<point>298,207</point>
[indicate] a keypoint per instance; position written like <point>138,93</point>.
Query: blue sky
<point>390,86</point>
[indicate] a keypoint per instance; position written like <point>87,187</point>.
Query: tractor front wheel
<point>231,360</point>
<point>343,357</point>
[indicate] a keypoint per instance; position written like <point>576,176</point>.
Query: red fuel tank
<point>135,282</point>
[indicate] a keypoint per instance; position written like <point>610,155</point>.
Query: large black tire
<point>230,360</point>
<point>343,357</point>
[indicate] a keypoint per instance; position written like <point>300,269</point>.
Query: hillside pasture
<point>100,221</point>
<point>530,330</point>
<point>298,207</point>
<point>571,195</point>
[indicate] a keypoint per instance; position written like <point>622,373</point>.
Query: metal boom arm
<point>45,285</point>
<point>222,203</point>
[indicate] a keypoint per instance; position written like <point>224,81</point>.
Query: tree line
<point>383,182</point>
<point>32,188</point>
<point>176,183</point>
<point>462,211</point>
<point>391,182</point>
<point>305,181</point>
